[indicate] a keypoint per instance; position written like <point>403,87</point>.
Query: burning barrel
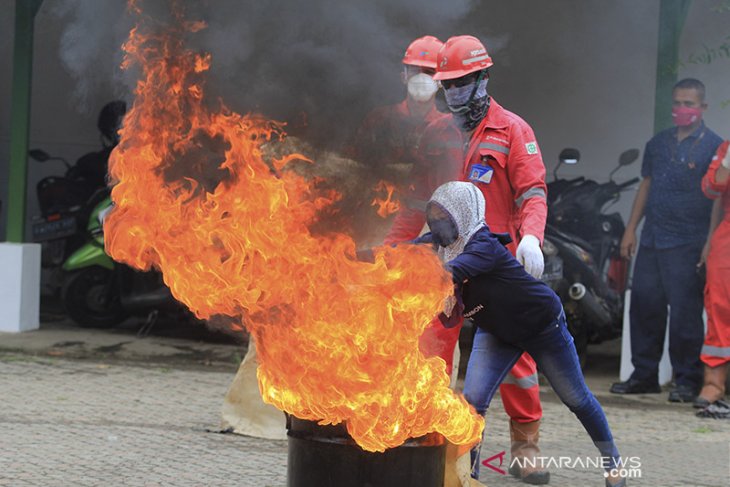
<point>326,456</point>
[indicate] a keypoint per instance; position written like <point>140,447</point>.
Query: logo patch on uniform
<point>531,147</point>
<point>481,173</point>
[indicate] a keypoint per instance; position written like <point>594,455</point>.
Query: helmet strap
<point>476,86</point>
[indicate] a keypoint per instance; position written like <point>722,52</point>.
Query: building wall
<point>582,73</point>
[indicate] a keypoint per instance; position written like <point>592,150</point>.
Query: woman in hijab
<point>513,313</point>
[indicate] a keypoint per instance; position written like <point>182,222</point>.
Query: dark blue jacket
<point>498,294</point>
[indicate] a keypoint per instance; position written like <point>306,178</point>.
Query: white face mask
<point>421,87</point>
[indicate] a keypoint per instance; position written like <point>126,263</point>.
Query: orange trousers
<point>716,348</point>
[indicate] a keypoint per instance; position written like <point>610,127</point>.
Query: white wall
<point>581,72</point>
<point>708,25</point>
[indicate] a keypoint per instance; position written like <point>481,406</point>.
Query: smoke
<point>90,46</point>
<point>318,65</point>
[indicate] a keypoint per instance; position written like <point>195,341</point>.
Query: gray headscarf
<point>466,206</point>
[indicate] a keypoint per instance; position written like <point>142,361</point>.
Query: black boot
<point>634,386</point>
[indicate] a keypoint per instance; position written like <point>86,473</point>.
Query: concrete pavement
<point>93,408</point>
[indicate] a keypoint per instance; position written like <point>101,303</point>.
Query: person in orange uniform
<point>716,349</point>
<point>391,134</point>
<point>404,125</point>
<point>498,152</point>
<point>394,133</point>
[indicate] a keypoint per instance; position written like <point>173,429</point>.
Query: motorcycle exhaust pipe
<point>158,298</point>
<point>590,305</point>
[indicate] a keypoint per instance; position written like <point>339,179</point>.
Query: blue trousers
<point>556,357</point>
<point>667,277</point>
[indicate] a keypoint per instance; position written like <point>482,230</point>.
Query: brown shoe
<point>524,448</point>
<point>714,385</point>
<point>615,481</point>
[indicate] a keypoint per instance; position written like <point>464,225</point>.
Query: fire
<point>388,205</point>
<point>337,338</point>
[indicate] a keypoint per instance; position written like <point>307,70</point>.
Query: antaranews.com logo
<point>626,467</point>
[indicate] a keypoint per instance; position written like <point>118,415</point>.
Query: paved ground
<point>80,408</point>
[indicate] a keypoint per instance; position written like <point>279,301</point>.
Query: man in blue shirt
<point>665,273</point>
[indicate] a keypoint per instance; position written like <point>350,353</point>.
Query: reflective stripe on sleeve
<point>530,193</point>
<point>527,382</point>
<point>494,147</point>
<point>715,351</point>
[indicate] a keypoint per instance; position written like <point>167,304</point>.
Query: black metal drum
<point>326,456</point>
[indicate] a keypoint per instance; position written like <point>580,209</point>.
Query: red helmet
<point>422,52</point>
<point>460,56</point>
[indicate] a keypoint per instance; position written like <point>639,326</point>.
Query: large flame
<point>337,338</point>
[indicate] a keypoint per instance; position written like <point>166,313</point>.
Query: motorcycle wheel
<point>91,300</point>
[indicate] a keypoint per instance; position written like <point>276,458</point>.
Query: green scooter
<point>98,292</point>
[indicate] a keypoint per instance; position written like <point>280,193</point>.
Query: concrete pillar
<point>20,284</point>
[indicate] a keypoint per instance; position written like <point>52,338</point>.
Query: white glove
<point>530,255</point>
<point>726,160</point>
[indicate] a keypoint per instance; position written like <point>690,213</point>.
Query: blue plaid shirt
<point>677,213</point>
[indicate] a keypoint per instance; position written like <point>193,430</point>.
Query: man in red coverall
<point>391,134</point>
<point>716,349</point>
<point>499,154</point>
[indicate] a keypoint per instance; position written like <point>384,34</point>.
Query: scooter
<point>98,292</point>
<point>66,201</point>
<point>582,252</point>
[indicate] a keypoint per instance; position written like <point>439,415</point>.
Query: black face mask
<point>477,111</point>
<point>443,228</point>
<point>444,232</point>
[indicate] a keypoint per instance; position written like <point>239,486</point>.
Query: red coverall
<point>716,349</point>
<point>503,159</point>
<point>391,134</point>
<point>396,136</point>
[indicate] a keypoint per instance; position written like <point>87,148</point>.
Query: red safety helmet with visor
<point>422,52</point>
<point>420,56</point>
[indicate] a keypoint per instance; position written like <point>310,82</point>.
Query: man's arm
<point>715,181</point>
<point>723,171</point>
<point>715,219</point>
<point>526,172</point>
<point>628,242</point>
<point>722,175</point>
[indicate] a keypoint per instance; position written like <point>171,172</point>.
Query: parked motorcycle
<point>66,201</point>
<point>583,264</point>
<point>99,292</point>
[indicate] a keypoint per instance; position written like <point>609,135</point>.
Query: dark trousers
<point>667,277</point>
